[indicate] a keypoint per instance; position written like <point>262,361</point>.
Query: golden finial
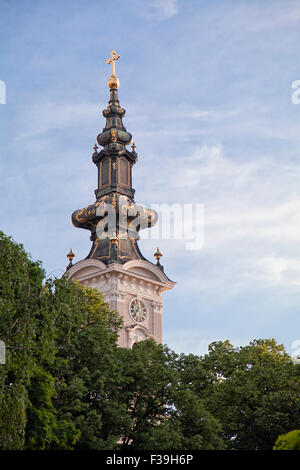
<point>158,255</point>
<point>70,255</point>
<point>95,147</point>
<point>133,146</point>
<point>113,81</point>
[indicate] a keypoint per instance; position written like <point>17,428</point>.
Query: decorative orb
<point>113,82</point>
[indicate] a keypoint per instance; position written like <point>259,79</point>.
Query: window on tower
<point>104,172</point>
<point>123,173</point>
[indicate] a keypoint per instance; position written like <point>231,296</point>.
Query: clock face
<point>138,310</point>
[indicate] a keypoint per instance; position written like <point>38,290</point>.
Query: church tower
<point>115,266</point>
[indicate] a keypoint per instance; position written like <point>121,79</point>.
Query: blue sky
<point>207,90</point>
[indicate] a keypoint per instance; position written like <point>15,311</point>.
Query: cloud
<point>279,270</point>
<point>221,132</point>
<point>42,117</point>
<point>213,114</point>
<point>281,16</point>
<point>161,9</point>
<point>188,341</point>
<point>251,220</point>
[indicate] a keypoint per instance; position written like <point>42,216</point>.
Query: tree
<point>159,411</point>
<point>20,288</point>
<point>85,364</point>
<point>288,441</point>
<point>67,385</point>
<point>132,399</point>
<point>60,340</point>
<point>256,393</point>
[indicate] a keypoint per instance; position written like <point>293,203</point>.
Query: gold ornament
<point>70,255</point>
<point>158,255</point>
<point>113,81</point>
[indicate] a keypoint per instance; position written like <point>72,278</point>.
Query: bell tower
<point>115,266</point>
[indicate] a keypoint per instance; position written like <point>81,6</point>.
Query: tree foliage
<point>256,393</point>
<point>288,441</point>
<point>20,287</point>
<point>67,385</point>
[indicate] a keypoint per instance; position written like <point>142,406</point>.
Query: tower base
<point>134,289</point>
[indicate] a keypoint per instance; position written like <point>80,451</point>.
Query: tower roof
<point>114,219</point>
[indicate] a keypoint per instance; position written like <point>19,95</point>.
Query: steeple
<point>131,285</point>
<point>114,219</point>
<point>114,162</point>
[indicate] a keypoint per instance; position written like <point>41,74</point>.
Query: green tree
<point>130,399</point>
<point>85,367</point>
<point>20,288</point>
<point>256,393</point>
<point>67,385</point>
<point>288,441</point>
<point>159,410</point>
<point>61,343</point>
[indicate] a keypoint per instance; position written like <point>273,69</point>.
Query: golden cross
<point>111,60</point>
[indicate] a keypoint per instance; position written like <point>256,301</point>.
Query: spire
<point>114,136</point>
<point>114,163</point>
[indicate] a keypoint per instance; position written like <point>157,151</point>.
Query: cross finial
<point>157,255</point>
<point>113,57</point>
<point>70,257</point>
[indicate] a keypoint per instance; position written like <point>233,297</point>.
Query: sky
<point>207,88</point>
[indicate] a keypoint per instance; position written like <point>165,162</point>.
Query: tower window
<point>123,174</point>
<point>104,172</point>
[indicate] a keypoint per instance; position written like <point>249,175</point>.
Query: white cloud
<point>188,341</point>
<point>252,219</point>
<point>161,9</point>
<point>213,114</point>
<point>46,116</point>
<point>279,270</point>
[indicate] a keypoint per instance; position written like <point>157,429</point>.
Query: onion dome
<point>114,242</point>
